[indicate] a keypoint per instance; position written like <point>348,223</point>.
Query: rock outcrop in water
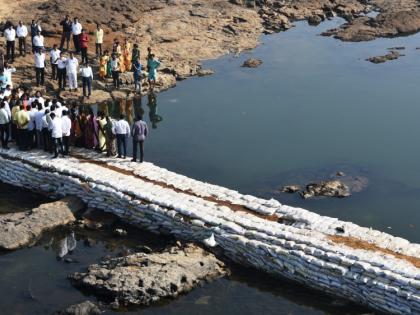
<point>396,22</point>
<point>18,230</point>
<point>381,59</point>
<point>331,188</point>
<point>141,279</point>
<point>252,63</point>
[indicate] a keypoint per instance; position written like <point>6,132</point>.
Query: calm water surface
<point>314,107</point>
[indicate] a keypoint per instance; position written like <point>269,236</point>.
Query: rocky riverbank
<point>182,33</point>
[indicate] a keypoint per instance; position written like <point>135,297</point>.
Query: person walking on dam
<point>139,133</point>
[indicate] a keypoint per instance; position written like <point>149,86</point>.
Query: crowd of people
<point>34,122</point>
<point>65,64</point>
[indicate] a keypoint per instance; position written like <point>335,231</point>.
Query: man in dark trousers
<point>76,30</point>
<point>10,34</point>
<point>83,45</point>
<point>139,133</point>
<point>66,35</point>
<point>35,29</point>
<point>21,33</point>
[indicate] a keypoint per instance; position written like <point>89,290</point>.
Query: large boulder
<point>141,279</point>
<point>22,229</point>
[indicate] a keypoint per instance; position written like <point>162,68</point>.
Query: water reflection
<point>153,115</point>
<point>65,245</point>
<point>130,107</point>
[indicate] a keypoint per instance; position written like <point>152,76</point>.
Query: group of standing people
<point>65,69</point>
<point>35,122</point>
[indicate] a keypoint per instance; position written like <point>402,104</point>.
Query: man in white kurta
<point>72,68</point>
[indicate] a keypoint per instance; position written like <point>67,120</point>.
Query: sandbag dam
<point>360,264</point>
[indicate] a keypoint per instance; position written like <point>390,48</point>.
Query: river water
<point>313,108</point>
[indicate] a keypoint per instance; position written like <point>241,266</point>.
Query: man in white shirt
<point>61,71</point>
<point>72,66</point>
<point>35,29</point>
<point>87,77</point>
<point>10,35</point>
<point>39,125</point>
<point>46,133</point>
<point>40,67</point>
<point>31,125</point>
<point>122,131</point>
<point>99,39</point>
<point>4,126</point>
<point>8,91</point>
<point>7,72</point>
<point>66,128</point>
<point>56,134</point>
<point>54,57</point>
<point>76,30</point>
<point>38,42</point>
<point>22,33</point>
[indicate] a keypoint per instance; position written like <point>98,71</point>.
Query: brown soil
<point>360,244</point>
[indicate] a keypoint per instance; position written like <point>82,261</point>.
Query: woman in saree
<point>101,132</point>
<point>127,55</point>
<point>80,127</point>
<point>91,131</point>
<point>103,62</point>
<point>110,137</point>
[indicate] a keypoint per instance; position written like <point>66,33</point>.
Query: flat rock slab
<point>141,279</point>
<point>22,229</point>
